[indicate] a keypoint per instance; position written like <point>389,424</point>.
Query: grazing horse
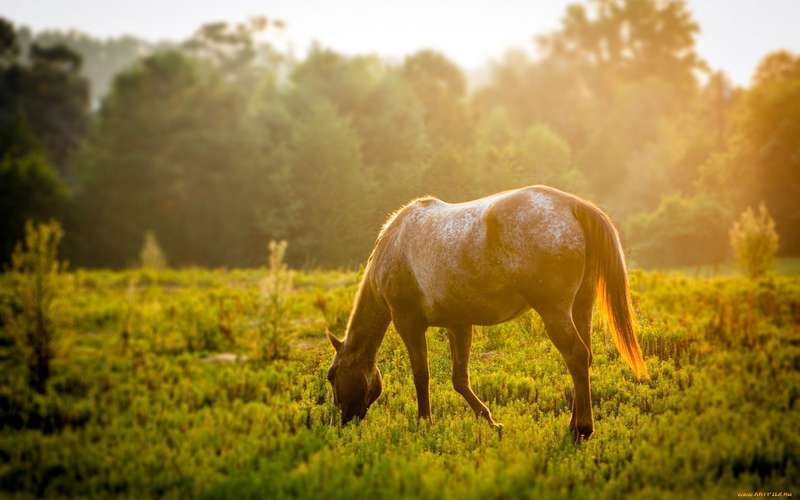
<point>484,262</point>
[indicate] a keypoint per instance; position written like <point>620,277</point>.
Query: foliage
<point>29,320</point>
<point>223,141</point>
<point>186,179</point>
<point>326,175</point>
<point>232,47</point>
<point>441,87</point>
<point>754,241</point>
<point>55,99</point>
<point>274,289</point>
<point>102,58</point>
<point>629,40</point>
<point>44,99</point>
<point>611,80</point>
<point>151,256</point>
<point>197,382</point>
<point>159,419</point>
<point>769,122</point>
<point>29,190</point>
<point>43,114</point>
<point>682,230</point>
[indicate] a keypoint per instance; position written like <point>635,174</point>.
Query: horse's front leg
<point>413,335</point>
<point>460,344</point>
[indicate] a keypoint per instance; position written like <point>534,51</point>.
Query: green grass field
<point>786,265</point>
<point>138,406</point>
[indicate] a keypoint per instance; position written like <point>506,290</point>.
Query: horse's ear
<point>336,343</point>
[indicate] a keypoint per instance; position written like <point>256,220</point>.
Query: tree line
<point>221,143</point>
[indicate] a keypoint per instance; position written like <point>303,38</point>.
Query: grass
<point>139,406</point>
<point>785,265</point>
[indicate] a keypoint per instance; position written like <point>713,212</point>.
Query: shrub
<point>274,290</point>
<point>35,268</point>
<point>754,241</point>
<point>151,256</point>
<point>29,189</point>
<point>681,231</point>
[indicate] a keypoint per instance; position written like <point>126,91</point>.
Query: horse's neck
<point>367,325</point>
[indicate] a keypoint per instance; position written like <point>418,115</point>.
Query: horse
<point>484,262</point>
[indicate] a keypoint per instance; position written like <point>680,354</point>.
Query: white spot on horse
<point>541,201</point>
<point>558,226</point>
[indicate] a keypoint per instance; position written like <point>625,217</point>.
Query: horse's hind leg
<point>582,317</point>
<point>564,335</point>
<point>582,309</point>
<point>460,343</point>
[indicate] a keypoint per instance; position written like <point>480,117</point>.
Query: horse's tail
<point>604,254</point>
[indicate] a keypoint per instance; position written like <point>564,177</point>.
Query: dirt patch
<point>225,357</point>
<point>489,355</point>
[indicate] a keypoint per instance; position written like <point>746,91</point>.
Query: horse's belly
<point>474,308</point>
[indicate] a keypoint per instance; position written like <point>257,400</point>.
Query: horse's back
<point>533,222</point>
<point>475,261</point>
<point>526,222</point>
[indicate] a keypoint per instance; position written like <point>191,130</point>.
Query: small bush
<point>681,231</point>
<point>35,268</point>
<point>754,241</point>
<point>274,289</point>
<point>151,256</point>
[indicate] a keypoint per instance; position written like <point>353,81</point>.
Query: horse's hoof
<point>499,429</point>
<point>425,421</point>
<point>582,432</point>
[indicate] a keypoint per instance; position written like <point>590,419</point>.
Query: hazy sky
<point>735,33</point>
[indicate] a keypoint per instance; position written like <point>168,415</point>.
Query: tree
<point>55,99</point>
<point>681,231</point>
<point>222,143</point>
<point>327,177</point>
<point>101,58</point>
<point>394,141</point>
<point>9,47</point>
<point>614,81</point>
<point>441,88</point>
<point>343,82</point>
<point>170,152</point>
<point>768,127</point>
<point>628,40</point>
<point>233,47</point>
<point>29,190</point>
<point>384,110</point>
<point>509,158</point>
<point>35,134</point>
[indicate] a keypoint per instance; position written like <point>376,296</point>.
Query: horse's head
<point>355,387</point>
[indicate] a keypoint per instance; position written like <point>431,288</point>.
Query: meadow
<point>173,383</point>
